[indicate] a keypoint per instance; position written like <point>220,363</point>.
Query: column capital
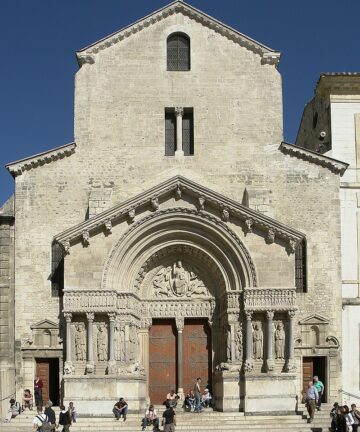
<point>248,315</point>
<point>291,314</point>
<point>112,316</point>
<point>146,323</point>
<point>179,324</point>
<point>269,315</point>
<point>68,316</point>
<point>90,316</point>
<point>179,111</point>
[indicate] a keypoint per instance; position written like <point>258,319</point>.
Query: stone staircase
<point>190,422</point>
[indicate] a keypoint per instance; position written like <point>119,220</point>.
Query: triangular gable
<point>334,165</point>
<point>18,167</point>
<point>314,319</point>
<point>44,324</point>
<point>86,55</point>
<point>180,186</point>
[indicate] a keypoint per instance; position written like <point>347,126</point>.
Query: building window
<point>300,267</point>
<point>170,133</point>
<point>179,131</point>
<point>178,52</point>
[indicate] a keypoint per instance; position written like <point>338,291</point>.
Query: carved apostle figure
<point>239,344</point>
<point>118,344</point>
<point>280,341</point>
<point>257,342</point>
<point>228,343</point>
<point>80,350</point>
<point>102,343</point>
<point>133,339</point>
<point>180,279</point>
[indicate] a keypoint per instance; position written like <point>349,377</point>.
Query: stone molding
<point>89,302</point>
<point>268,55</point>
<point>269,299</point>
<point>226,207</point>
<point>18,167</point>
<point>334,165</point>
<point>216,222</point>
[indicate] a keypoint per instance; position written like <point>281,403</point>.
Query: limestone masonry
<point>225,252</point>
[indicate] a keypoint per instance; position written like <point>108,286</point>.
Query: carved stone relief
<point>101,342</point>
<point>80,342</point>
<point>238,342</point>
<point>279,335</point>
<point>179,280</point>
<point>258,341</point>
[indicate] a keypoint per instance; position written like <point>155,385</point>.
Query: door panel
<point>308,371</point>
<point>196,353</point>
<point>162,360</point>
<point>42,370</point>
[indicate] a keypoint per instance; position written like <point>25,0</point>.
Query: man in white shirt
<point>39,419</point>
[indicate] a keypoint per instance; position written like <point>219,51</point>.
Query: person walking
<point>356,416</point>
<point>197,391</point>
<point>312,397</point>
<point>64,419</point>
<point>320,389</point>
<point>50,413</point>
<point>169,419</point>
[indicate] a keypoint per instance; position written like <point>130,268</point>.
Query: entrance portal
<point>48,371</point>
<point>196,353</point>
<point>162,359</point>
<point>163,367</point>
<point>314,366</point>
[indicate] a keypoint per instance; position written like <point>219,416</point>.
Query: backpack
<point>45,425</point>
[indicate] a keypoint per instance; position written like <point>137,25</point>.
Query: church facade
<point>178,236</point>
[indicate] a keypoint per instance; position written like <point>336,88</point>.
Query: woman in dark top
<point>50,413</point>
<point>64,419</point>
<point>341,420</point>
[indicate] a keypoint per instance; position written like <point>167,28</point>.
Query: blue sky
<point>39,39</point>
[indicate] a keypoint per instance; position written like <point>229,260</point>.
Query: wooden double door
<point>163,356</point>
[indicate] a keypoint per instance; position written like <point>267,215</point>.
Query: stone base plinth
<point>226,391</point>
<point>275,394</point>
<point>98,394</point>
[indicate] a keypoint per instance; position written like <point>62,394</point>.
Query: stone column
<point>290,362</point>
<point>111,361</point>
<point>180,328</point>
<point>269,341</point>
<point>144,350</point>
<point>249,366</point>
<point>69,367</point>
<point>179,112</point>
<point>90,343</point>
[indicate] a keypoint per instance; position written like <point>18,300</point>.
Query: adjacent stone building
<point>331,125</point>
<point>178,236</point>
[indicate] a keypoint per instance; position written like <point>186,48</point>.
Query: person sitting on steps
<point>150,418</point>
<point>120,409</point>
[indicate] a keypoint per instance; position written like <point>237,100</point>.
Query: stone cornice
<point>18,167</point>
<point>269,56</point>
<point>334,165</point>
<point>180,186</point>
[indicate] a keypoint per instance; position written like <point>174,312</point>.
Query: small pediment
<point>314,319</point>
<point>44,324</point>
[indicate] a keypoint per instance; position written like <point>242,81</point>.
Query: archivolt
<point>178,226</point>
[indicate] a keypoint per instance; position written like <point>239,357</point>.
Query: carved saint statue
<point>80,350</point>
<point>133,339</point>
<point>238,344</point>
<point>257,341</point>
<point>228,343</point>
<point>118,343</point>
<point>177,281</point>
<point>280,341</point>
<point>102,342</point>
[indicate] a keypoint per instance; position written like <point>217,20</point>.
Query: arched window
<point>178,52</point>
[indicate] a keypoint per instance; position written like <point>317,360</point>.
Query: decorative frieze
<point>169,309</point>
<point>89,300</point>
<point>278,299</point>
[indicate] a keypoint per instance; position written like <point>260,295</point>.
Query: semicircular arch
<point>178,226</point>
